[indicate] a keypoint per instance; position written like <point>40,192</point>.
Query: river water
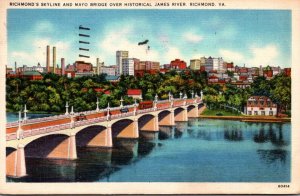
<point>201,150</point>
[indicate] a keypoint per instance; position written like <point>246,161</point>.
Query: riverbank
<point>227,115</point>
<point>249,118</point>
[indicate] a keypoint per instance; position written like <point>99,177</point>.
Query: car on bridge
<point>124,110</point>
<point>145,105</point>
<point>81,117</point>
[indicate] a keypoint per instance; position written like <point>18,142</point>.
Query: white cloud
<point>192,37</point>
<point>44,26</point>
<point>37,54</point>
<point>266,55</point>
<point>230,55</point>
<point>119,40</point>
<point>172,53</point>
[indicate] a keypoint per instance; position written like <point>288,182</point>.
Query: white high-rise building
<point>216,64</point>
<point>120,55</point>
<point>128,66</point>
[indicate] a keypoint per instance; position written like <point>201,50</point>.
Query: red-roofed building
<point>134,93</point>
<point>107,92</point>
<point>178,64</point>
<point>268,73</point>
<point>261,105</point>
<point>287,72</point>
<point>243,78</point>
<point>163,70</point>
<point>230,66</point>
<point>213,79</point>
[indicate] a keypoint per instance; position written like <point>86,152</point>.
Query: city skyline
<point>244,37</point>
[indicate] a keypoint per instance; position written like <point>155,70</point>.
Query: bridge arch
<point>125,128</point>
<point>166,118</point>
<point>180,114</point>
<point>148,122</point>
<point>93,136</point>
<point>193,111</point>
<point>58,146</point>
<point>190,107</point>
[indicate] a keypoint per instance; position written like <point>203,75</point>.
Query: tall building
<point>98,68</point>
<point>120,55</point>
<point>48,59</point>
<point>62,62</point>
<point>214,64</point>
<point>128,66</point>
<point>54,59</point>
<point>209,64</point>
<point>195,64</point>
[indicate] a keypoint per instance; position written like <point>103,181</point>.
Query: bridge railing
<point>145,110</point>
<point>11,136</point>
<point>121,115</point>
<point>36,120</point>
<point>43,130</point>
<point>163,101</point>
<point>12,124</point>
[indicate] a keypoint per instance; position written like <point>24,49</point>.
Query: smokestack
<point>48,59</point>
<point>54,59</point>
<point>16,67</point>
<point>97,67</point>
<point>62,61</point>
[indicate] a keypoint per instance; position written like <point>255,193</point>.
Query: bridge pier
<point>15,163</point>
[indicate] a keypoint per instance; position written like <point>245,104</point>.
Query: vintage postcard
<point>149,97</point>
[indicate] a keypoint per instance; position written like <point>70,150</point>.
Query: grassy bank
<point>219,112</point>
<point>227,115</point>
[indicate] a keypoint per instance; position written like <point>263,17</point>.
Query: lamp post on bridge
<point>155,101</point>
<point>97,103</point>
<point>67,109</point>
<point>107,110</point>
<point>201,95</point>
<point>72,111</point>
<point>172,101</point>
<point>196,96</point>
<point>134,109</point>
<point>184,98</point>
<point>121,100</point>
<point>180,95</point>
<point>20,131</point>
<point>72,118</point>
<point>192,94</point>
<point>25,112</point>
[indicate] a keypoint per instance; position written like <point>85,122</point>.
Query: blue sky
<point>250,37</point>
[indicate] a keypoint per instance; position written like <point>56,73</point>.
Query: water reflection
<point>271,156</point>
<point>200,142</point>
<point>233,135</point>
<point>165,132</point>
<point>274,135</point>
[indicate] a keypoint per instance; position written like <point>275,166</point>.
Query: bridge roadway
<point>57,136</point>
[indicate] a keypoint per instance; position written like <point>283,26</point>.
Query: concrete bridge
<point>57,137</point>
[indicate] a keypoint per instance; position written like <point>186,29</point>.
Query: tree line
<point>52,92</point>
